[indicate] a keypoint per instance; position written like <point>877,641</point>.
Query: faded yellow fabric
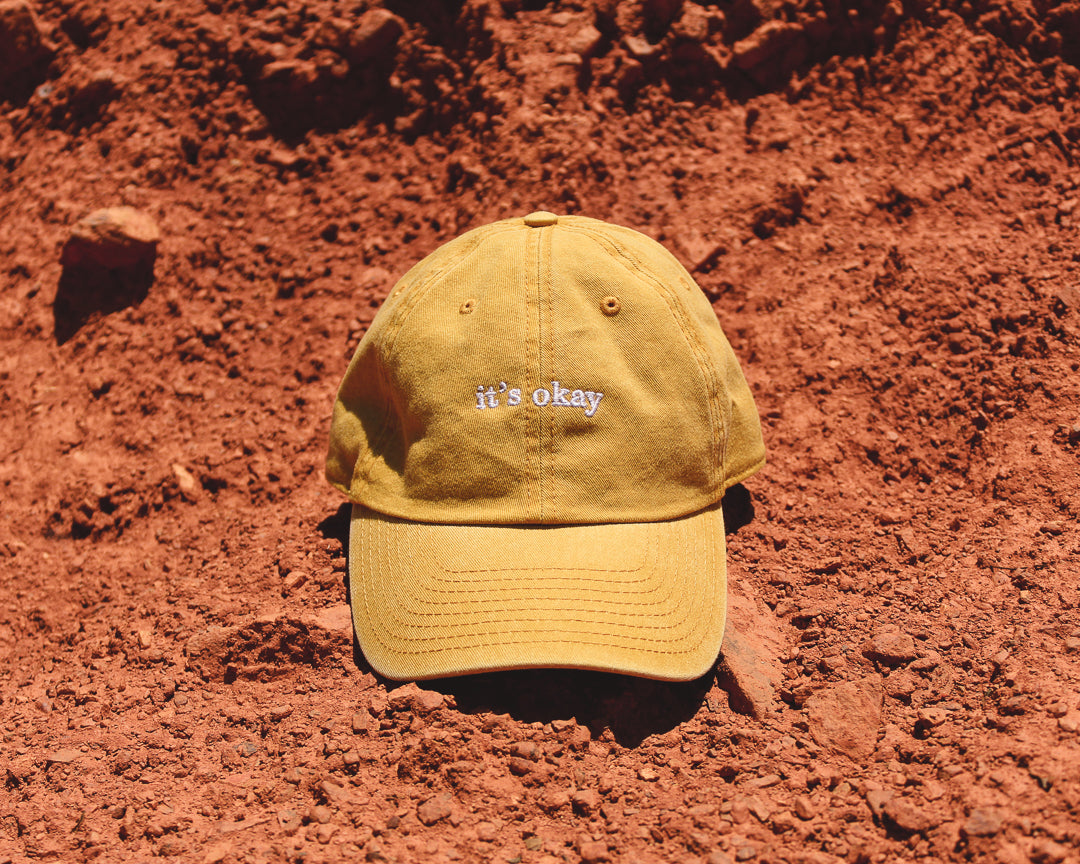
<point>676,425</point>
<point>536,431</point>
<point>645,598</point>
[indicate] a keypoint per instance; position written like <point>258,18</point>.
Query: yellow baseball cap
<point>536,433</point>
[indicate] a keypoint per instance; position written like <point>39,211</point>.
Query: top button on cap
<point>540,219</point>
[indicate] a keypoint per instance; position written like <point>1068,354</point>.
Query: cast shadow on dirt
<point>632,708</point>
<point>87,292</point>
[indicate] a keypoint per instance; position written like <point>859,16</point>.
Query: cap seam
<point>543,260</point>
<point>701,354</point>
<point>385,347</point>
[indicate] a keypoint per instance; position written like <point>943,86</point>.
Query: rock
<point>891,648</point>
<point>845,717</point>
<point>640,48</point>
<point>519,767</point>
<point>434,809</point>
<point>901,685</point>
<point>648,774</point>
<point>411,698</point>
<point>804,808</point>
<point>288,820</point>
<point>335,619</point>
<point>21,43</point>
<point>108,265</point>
<point>901,814</point>
<point>525,750</point>
<point>62,757</point>
<point>758,807</point>
<point>772,51</point>
<point>332,790</point>
<point>217,853</point>
<point>749,668</point>
<point>375,36</point>
<point>114,238</point>
<point>320,813</point>
<point>718,857</point>
<point>585,42</point>
<point>189,486</point>
<point>694,23</point>
<point>931,716</point>
<point>876,799</point>
<point>1046,851</point>
<point>207,652</point>
<point>293,775</point>
<point>928,663</point>
<point>586,801</point>
<point>554,799</point>
<point>981,823</point>
<point>745,852</point>
<point>593,850</point>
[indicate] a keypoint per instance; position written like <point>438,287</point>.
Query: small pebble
<point>586,801</point>
<point>982,823</point>
<point>593,851</point>
<point>320,813</point>
<point>891,648</point>
<point>932,716</point>
<point>293,775</point>
<point>289,820</point>
<point>434,809</point>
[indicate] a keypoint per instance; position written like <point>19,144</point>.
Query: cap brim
<point>434,600</point>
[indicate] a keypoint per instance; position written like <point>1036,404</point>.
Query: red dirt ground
<point>880,199</point>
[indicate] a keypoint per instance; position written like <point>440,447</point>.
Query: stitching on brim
<point>385,541</point>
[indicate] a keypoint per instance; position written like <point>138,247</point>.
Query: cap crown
<point>563,371</point>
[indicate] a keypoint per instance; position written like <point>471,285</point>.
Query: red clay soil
<point>882,202</point>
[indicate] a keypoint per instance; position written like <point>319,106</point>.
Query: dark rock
<point>375,36</point>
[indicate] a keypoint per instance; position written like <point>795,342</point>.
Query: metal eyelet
<point>468,306</point>
<point>610,305</point>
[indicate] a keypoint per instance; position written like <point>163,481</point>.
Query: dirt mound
<point>880,200</point>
